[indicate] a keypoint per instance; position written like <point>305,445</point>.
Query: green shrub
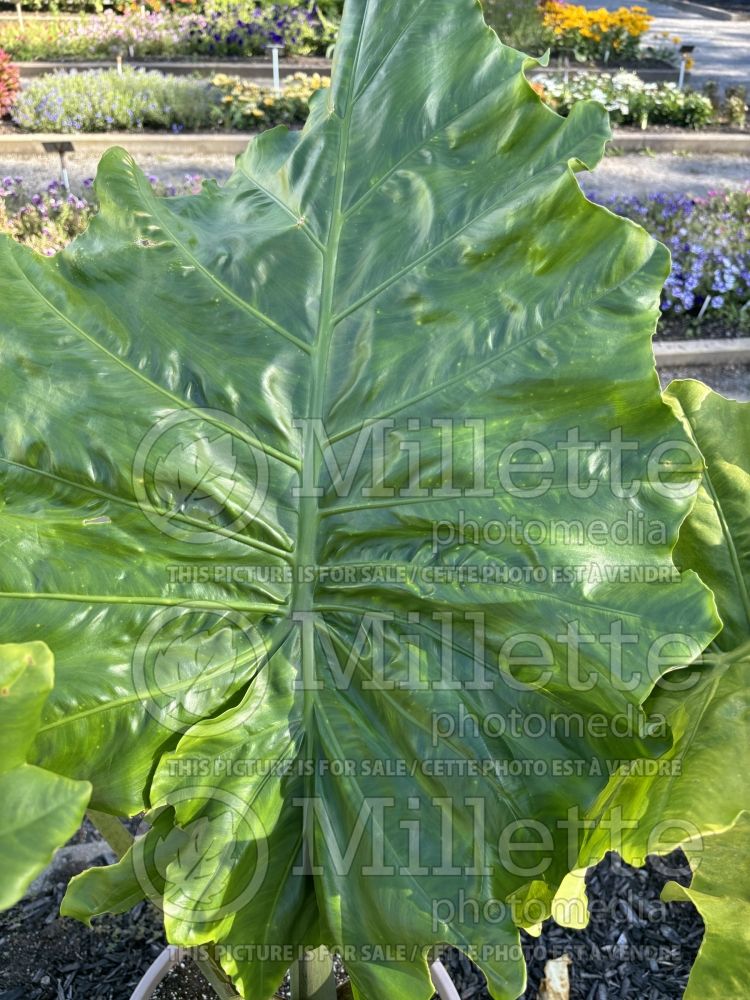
<point>246,105</point>
<point>105,101</point>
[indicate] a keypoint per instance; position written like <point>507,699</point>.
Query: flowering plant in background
<point>108,101</point>
<point>46,220</point>
<point>239,29</point>
<point>629,100</point>
<point>708,290</point>
<point>49,219</point>
<point>247,105</point>
<point>105,101</point>
<point>594,35</point>
<point>10,83</point>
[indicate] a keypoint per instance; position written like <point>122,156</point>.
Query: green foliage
<point>10,83</point>
<point>699,801</point>
<point>517,23</point>
<point>735,105</point>
<point>720,889</point>
<point>247,105</point>
<point>249,620</point>
<point>105,101</point>
<point>629,100</point>
<point>41,810</point>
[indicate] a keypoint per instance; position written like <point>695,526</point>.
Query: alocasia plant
<point>40,810</point>
<point>371,646</point>
<point>700,800</point>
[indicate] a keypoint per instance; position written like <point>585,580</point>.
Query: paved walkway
<point>722,48</point>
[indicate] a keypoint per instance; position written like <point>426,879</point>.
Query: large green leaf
<point>715,540</point>
<point>720,888</point>
<point>316,658</point>
<point>40,810</point>
<point>697,798</point>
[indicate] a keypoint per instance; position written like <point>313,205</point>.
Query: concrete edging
<point>701,143</point>
<point>250,69</point>
<point>702,352</point>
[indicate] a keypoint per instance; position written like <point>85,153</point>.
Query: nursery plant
<point>597,35</point>
<point>239,29</point>
<point>322,484</point>
<point>10,83</point>
<point>107,100</point>
<point>629,100</point>
<point>708,290</point>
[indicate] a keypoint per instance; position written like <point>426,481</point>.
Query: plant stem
<point>117,836</point>
<point>312,976</point>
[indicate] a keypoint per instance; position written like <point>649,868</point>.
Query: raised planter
<point>251,69</point>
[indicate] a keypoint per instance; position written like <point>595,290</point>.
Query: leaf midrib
<point>309,513</point>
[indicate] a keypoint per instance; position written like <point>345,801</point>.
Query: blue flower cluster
<point>708,289</point>
<point>237,31</point>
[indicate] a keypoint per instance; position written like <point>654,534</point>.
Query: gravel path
<point>38,171</point>
<point>636,173</point>
<point>641,173</point>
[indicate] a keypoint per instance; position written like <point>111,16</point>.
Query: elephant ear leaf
<point>40,810</point>
<point>720,889</point>
<point>715,539</point>
<point>699,799</point>
<point>324,479</point>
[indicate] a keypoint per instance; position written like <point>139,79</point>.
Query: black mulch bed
<point>635,947</point>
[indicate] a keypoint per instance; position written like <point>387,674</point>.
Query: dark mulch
<point>635,947</point>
